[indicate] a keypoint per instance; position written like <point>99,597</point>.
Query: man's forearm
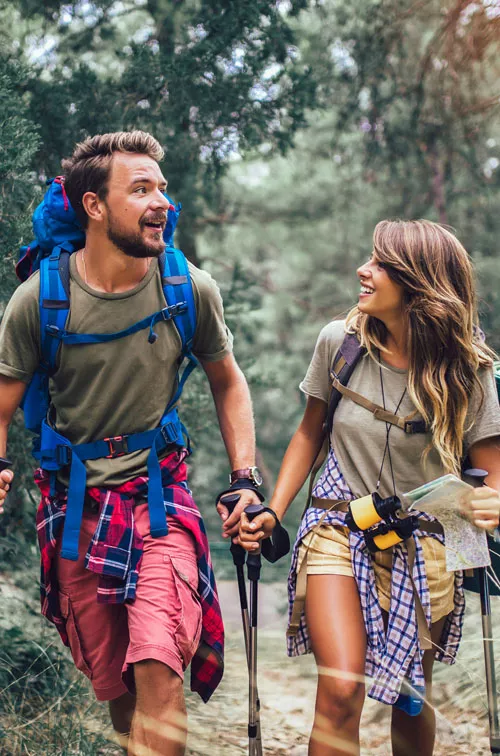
<point>234,410</point>
<point>3,440</point>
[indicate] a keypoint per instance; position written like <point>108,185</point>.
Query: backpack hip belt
<point>56,451</point>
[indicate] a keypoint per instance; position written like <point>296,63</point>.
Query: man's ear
<point>93,206</point>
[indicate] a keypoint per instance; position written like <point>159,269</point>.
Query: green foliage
<point>19,141</point>
<point>205,77</point>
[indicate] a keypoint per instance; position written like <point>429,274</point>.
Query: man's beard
<point>132,245</point>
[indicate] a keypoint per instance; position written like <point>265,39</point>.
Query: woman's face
<point>380,296</point>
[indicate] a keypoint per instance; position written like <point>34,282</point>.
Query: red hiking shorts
<point>163,623</point>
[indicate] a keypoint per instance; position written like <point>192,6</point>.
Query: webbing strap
<point>68,337</point>
<point>424,633</point>
<point>379,412</point>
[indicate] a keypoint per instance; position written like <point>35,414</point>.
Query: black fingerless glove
<point>239,485</point>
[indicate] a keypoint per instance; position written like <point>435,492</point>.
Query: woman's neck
<point>397,345</point>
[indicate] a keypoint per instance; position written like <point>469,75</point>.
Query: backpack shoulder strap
<point>177,288</point>
<point>54,300</point>
<point>344,363</point>
<point>343,366</point>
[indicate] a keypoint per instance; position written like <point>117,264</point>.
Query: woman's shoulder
<point>331,337</point>
<point>333,333</point>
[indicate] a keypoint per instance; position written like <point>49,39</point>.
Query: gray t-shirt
<point>359,439</point>
<point>114,388</point>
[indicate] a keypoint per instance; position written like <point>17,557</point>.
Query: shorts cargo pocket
<point>75,643</point>
<point>188,632</point>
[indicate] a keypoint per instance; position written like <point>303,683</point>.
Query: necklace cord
<point>388,428</point>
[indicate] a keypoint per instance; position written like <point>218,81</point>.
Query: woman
<point>425,363</point>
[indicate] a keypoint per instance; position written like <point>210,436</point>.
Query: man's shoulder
<point>27,292</point>
<point>201,278</point>
<point>204,285</point>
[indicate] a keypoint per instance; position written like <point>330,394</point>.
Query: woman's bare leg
<point>415,736</point>
<point>338,640</point>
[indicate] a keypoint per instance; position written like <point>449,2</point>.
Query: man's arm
<point>11,393</point>
<point>234,410</point>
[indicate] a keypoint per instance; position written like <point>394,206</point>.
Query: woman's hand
<point>253,531</point>
<point>6,477</point>
<point>481,506</point>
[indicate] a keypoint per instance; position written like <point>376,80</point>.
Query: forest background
<point>291,128</point>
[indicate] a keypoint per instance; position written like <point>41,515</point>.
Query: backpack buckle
<point>169,433</point>
<point>173,310</point>
<point>63,454</point>
<point>118,446</point>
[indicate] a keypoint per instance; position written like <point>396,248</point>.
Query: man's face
<point>136,208</point>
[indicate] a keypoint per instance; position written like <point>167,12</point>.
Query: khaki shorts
<point>329,554</point>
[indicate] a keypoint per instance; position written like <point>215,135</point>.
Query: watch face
<point>257,477</point>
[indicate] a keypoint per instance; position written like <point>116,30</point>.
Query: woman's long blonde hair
<point>445,344</point>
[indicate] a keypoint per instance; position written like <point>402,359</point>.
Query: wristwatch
<point>252,473</point>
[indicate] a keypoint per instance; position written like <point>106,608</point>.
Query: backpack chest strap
<point>406,423</point>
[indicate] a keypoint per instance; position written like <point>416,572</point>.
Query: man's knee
<point>155,679</point>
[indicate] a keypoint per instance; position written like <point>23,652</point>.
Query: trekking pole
<point>476,478</point>
<point>239,554</point>
<point>253,570</point>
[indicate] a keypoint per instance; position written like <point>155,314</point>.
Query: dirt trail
<point>287,690</point>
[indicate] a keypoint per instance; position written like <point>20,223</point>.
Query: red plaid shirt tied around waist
<point>115,553</point>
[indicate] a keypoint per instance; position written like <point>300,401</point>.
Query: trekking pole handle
<point>230,501</point>
<point>252,510</point>
<point>5,464</point>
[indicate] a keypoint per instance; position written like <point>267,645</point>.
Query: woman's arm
<point>297,463</point>
<point>482,505</point>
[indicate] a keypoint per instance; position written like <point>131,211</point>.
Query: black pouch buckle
<point>415,426</point>
<point>118,446</point>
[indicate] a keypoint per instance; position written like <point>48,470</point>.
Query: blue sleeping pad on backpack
<point>59,234</point>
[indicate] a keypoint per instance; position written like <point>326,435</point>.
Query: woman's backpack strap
<point>344,364</point>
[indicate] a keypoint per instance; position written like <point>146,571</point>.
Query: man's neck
<point>106,268</point>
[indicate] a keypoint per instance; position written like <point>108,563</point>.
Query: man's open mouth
<point>157,225</point>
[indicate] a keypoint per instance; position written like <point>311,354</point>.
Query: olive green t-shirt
<point>119,387</point>
<point>359,439</point>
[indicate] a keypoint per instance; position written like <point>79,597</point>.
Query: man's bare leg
<point>159,726</point>
<point>122,711</point>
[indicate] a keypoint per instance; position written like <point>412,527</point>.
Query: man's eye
<point>140,190</point>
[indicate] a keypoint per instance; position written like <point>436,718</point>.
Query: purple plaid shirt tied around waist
<point>115,553</point>
<point>394,654</point>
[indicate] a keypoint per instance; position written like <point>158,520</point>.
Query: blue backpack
<point>57,235</point>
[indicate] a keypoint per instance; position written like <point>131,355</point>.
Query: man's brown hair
<point>87,170</point>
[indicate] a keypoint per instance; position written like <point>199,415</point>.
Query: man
<point>134,641</point>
